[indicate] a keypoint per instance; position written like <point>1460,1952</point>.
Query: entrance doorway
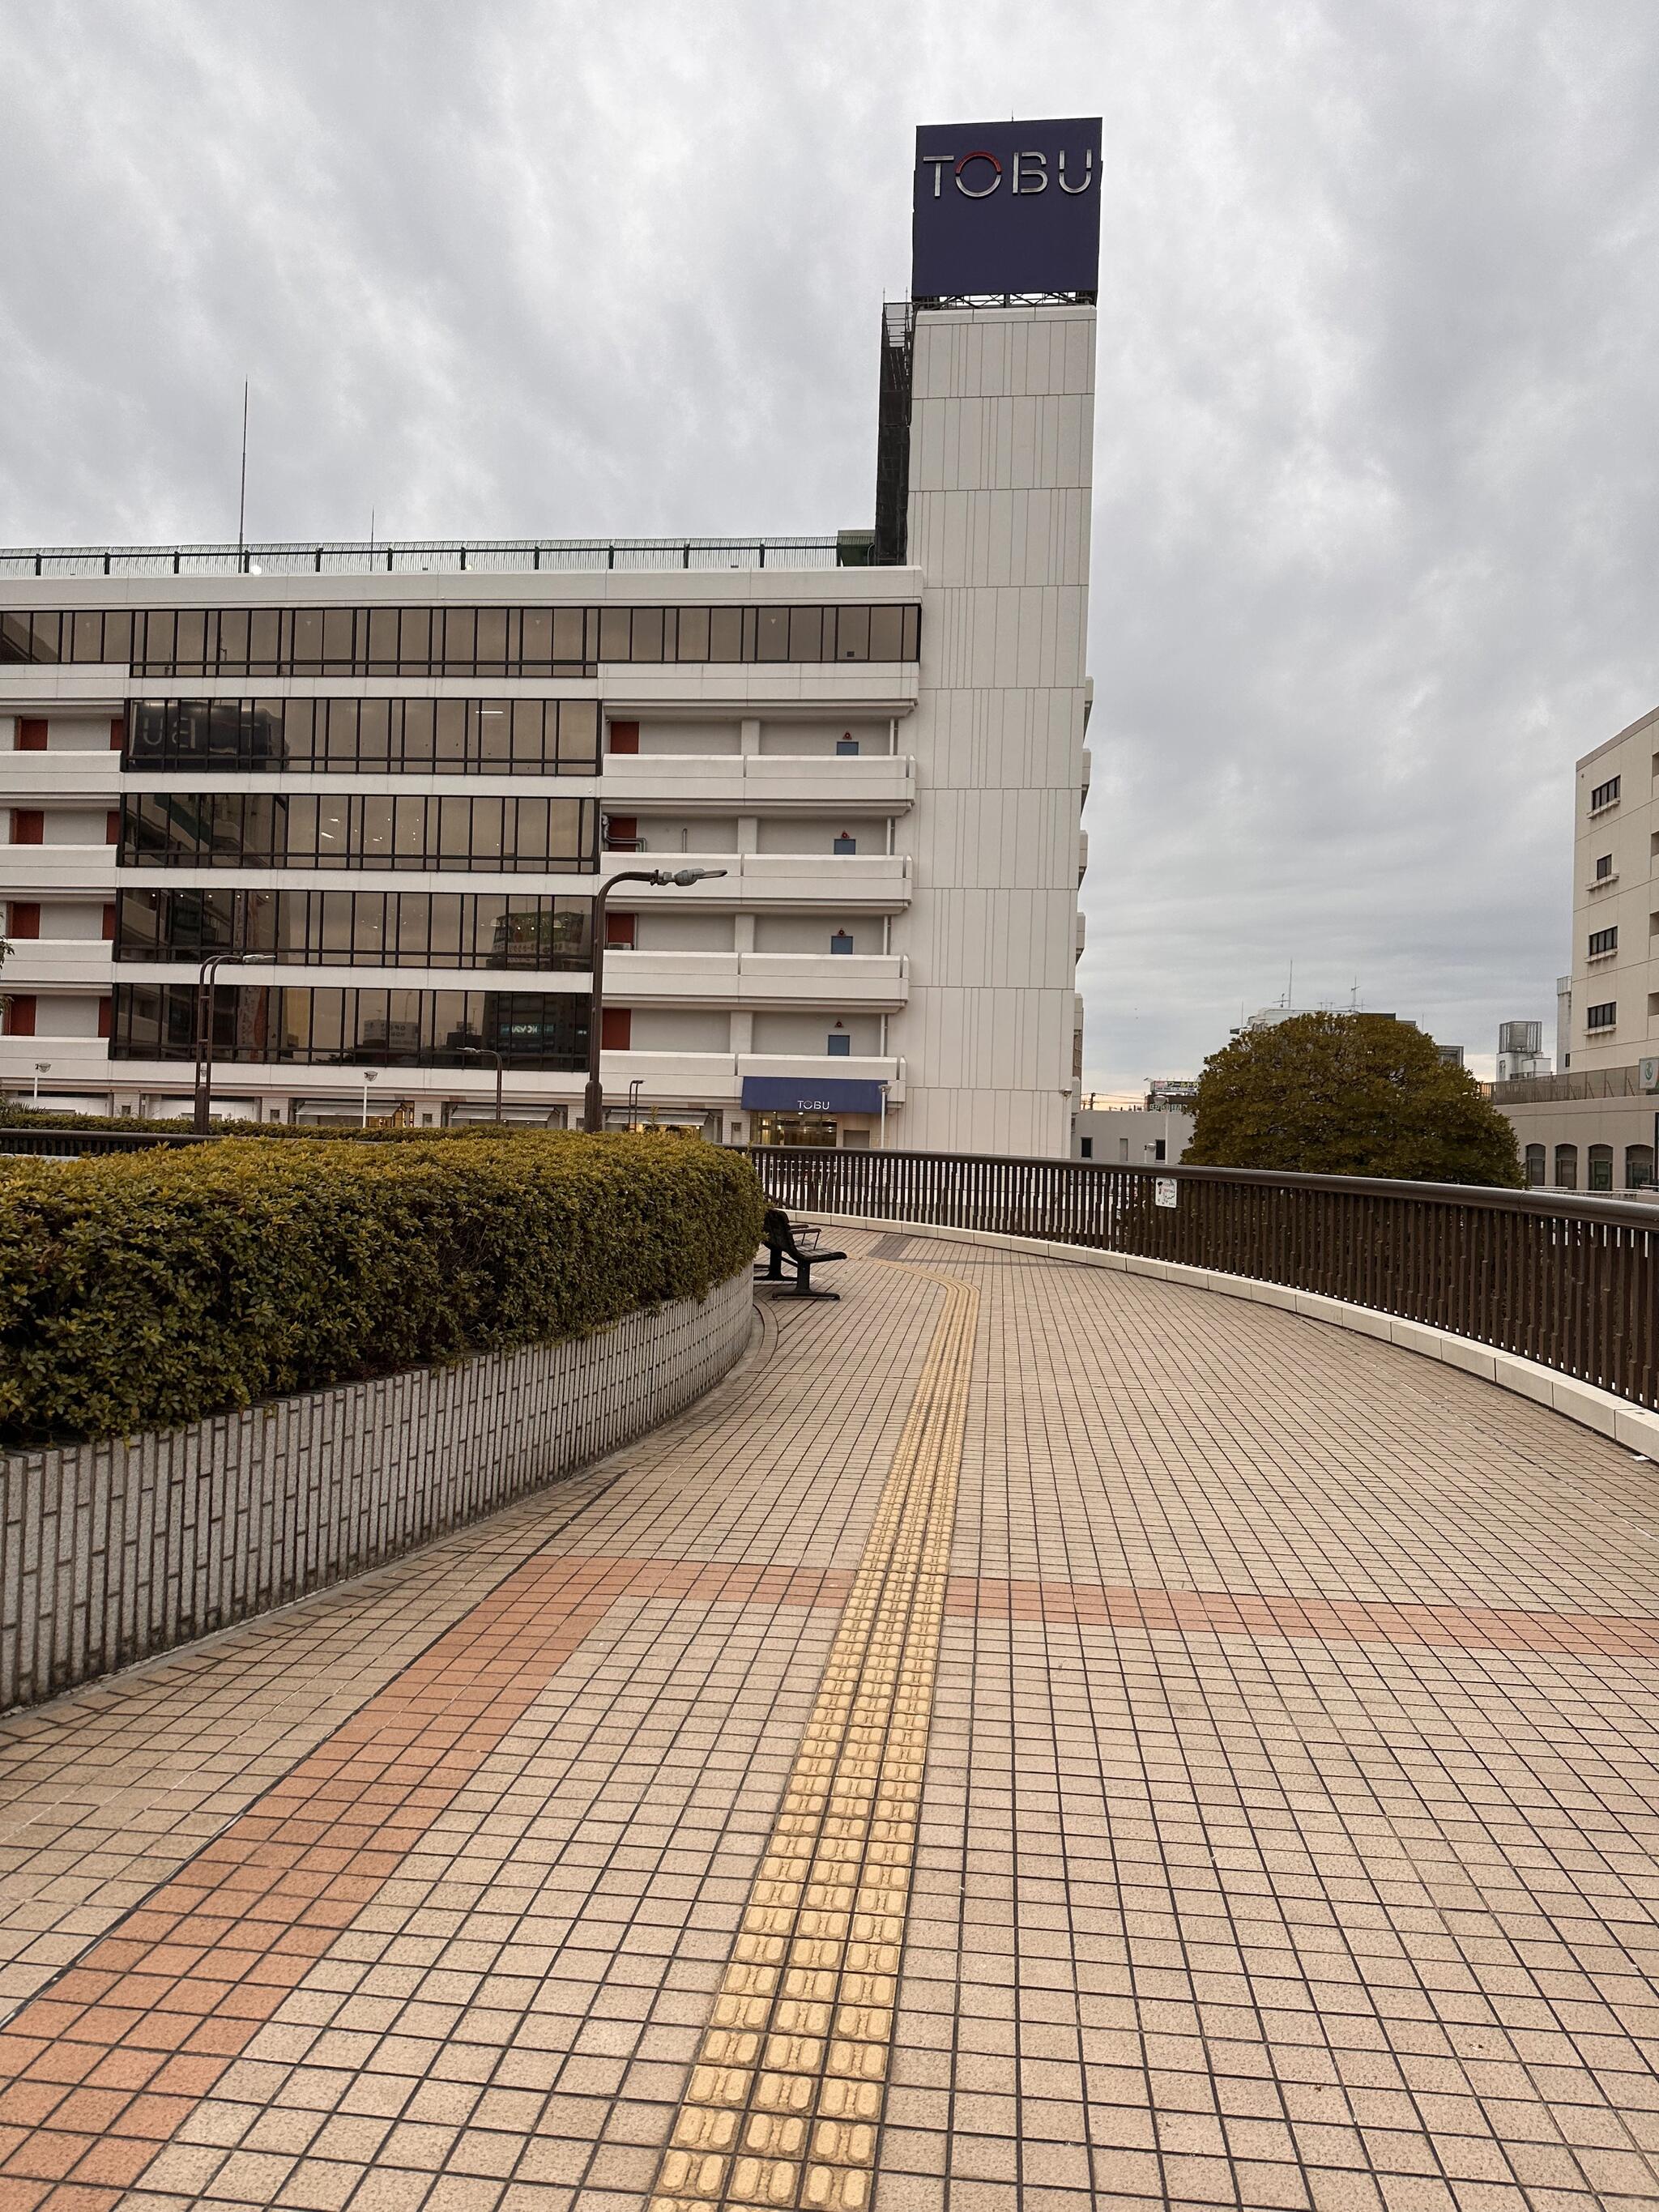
<point>794,1129</point>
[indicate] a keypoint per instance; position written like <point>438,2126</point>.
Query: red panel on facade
<point>620,832</point>
<point>625,737</point>
<point>20,1014</point>
<point>113,826</point>
<point>106,1016</point>
<point>32,736</point>
<point>619,930</point>
<point>616,1028</point>
<point>118,734</point>
<point>29,826</point>
<point>24,919</point>
<point>109,921</point>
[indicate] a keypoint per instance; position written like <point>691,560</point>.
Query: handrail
<point>1568,1280</point>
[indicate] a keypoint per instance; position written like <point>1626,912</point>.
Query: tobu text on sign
<point>1006,207</point>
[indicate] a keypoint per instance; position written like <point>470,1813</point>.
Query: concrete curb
<point>1611,1417</point>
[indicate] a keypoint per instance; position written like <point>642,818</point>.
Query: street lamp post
<point>593,1103</point>
<point>41,1067</point>
<point>370,1075</point>
<point>205,977</point>
<point>486,1052</point>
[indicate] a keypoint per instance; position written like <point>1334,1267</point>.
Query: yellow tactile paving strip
<point>784,2098</point>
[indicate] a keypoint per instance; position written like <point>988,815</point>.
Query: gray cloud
<point>1376,525</point>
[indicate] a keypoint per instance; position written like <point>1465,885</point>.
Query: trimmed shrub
<point>152,1289</point>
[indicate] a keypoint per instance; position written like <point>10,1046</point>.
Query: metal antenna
<point>241,504</point>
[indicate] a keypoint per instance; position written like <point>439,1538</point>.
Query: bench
<point>786,1239</point>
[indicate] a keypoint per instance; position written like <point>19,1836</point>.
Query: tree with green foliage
<point>1347,1094</point>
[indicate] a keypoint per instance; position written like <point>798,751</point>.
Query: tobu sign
<point>1006,207</point>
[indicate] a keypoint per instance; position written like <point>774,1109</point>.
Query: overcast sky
<point>1376,527</point>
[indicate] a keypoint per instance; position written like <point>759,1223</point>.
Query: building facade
<point>387,783</point>
<point>1594,1125</point>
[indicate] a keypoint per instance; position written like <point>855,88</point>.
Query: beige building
<point>1595,1125</point>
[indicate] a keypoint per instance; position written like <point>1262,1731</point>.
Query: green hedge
<point>151,1289</point>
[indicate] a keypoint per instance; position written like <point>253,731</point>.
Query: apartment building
<point>1594,1125</point>
<point>385,782</point>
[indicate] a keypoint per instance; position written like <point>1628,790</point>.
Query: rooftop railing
<point>1570,1282</point>
<point>436,557</point>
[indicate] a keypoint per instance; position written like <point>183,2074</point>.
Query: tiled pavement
<point>1177,1755</point>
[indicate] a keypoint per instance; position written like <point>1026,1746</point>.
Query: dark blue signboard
<point>777,1094</point>
<point>1006,207</point>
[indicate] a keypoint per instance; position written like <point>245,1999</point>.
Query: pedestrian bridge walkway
<point>1034,1737</point>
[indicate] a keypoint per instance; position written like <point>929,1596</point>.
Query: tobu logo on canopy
<point>1006,207</point>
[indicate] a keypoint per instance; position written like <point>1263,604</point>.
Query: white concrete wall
<point>1001,470</point>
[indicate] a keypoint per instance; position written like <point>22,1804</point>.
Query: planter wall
<point>112,1552</point>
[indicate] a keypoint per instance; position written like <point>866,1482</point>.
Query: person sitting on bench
<point>779,1237</point>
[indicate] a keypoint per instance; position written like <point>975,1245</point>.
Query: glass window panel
<point>368,923</point>
<point>693,641</point>
<point>772,629</point>
<point>492,640</point>
<point>45,635</point>
<point>852,633</point>
<point>530,833</point>
<point>725,634</point>
<point>569,830</point>
<point>568,633</point>
<point>327,1024</point>
<point>338,921</point>
<point>337,731</point>
<point>223,720</point>
<point>494,735</point>
<point>492,931</point>
<point>85,640</point>
<point>452,733</point>
<point>192,646</point>
<point>536,633</point>
<point>418,733</point>
<point>460,641</point>
<point>160,632</point>
<point>140,921</point>
<point>886,632</point>
<point>615,631</point>
<point>339,627</point>
<point>415,640</point>
<point>291,723</point>
<point>117,637</point>
<point>525,747</point>
<point>374,733</point>
<point>445,911</point>
<point>488,842</point>
<point>374,846</point>
<point>579,736</point>
<point>382,641</point>
<point>455,826</point>
<point>16,638</point>
<point>299,845</point>
<point>913,633</point>
<point>307,639</point>
<point>265,631</point>
<point>232,654</point>
<point>807,632</point>
<point>411,827</point>
<point>333,832</point>
<point>648,633</point>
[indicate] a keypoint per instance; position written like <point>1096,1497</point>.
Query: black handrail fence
<point>1571,1282</point>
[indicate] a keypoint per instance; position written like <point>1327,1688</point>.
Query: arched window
<point>1535,1167</point>
<point>1638,1166</point>
<point>1566,1167</point>
<point>1601,1168</point>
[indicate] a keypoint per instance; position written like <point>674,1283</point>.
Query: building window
<point>846,843</point>
<point>360,929</point>
<point>1536,1169</point>
<point>838,1044</point>
<point>328,1028</point>
<point>450,640</point>
<point>378,737</point>
<point>1639,1167</point>
<point>841,942</point>
<point>272,829</point>
<point>1603,941</point>
<point>1604,1016</point>
<point>847,744</point>
<point>1601,1167</point>
<point>1086,1147</point>
<point>1566,1167</point>
<point>1604,868</point>
<point>1605,794</point>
